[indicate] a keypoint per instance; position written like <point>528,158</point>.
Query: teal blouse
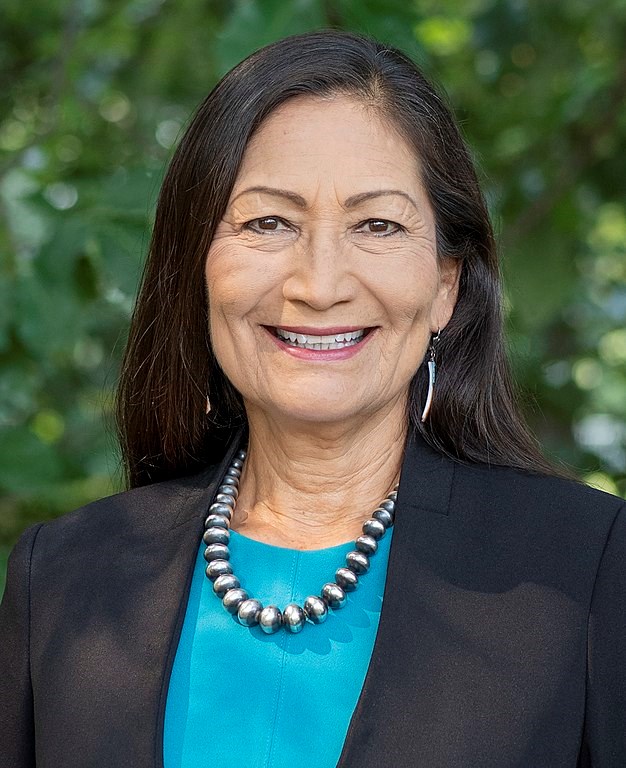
<point>240,697</point>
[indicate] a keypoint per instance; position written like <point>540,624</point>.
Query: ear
<point>447,294</point>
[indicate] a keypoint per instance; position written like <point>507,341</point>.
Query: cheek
<point>228,287</point>
<point>235,283</point>
<point>407,287</point>
<point>241,286</point>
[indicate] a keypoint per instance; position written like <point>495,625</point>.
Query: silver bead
<point>216,521</point>
<point>228,480</point>
<point>315,609</point>
<point>218,568</point>
<point>270,619</point>
<point>228,490</point>
<point>366,544</point>
<point>224,498</point>
<point>241,455</point>
<point>248,612</point>
<point>233,472</point>
<point>215,535</point>
<point>388,505</point>
<point>393,495</point>
<point>385,517</point>
<point>237,464</point>
<point>223,583</point>
<point>347,579</point>
<point>221,509</point>
<point>357,561</point>
<point>374,528</point>
<point>294,618</point>
<point>333,595</point>
<point>233,599</point>
<point>216,552</point>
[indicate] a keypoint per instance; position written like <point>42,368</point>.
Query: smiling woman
<point>315,395</point>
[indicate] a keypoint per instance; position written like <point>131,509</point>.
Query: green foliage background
<point>94,95</point>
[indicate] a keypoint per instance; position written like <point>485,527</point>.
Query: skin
<point>326,436</point>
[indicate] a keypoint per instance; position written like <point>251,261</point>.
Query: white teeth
<point>335,341</point>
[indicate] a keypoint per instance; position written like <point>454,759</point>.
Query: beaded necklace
<point>250,611</point>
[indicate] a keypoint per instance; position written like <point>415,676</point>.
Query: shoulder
<point>561,524</point>
<point>514,516</point>
<point>535,528</point>
<point>502,495</point>
<point>536,495</point>
<point>126,517</point>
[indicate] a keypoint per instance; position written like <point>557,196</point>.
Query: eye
<point>379,227</point>
<point>267,224</point>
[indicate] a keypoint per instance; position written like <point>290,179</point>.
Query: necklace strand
<point>250,611</point>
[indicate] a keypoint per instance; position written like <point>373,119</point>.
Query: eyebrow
<point>352,202</point>
<point>355,200</point>
<point>294,197</point>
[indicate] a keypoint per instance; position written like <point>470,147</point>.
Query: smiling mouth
<point>330,341</point>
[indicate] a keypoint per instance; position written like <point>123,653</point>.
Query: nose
<point>320,275</point>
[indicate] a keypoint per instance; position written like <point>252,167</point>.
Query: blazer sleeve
<point>604,737</point>
<point>17,732</point>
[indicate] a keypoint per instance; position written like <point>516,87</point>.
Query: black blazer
<point>501,642</point>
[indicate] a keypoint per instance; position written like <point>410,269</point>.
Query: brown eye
<point>380,227</point>
<point>267,224</point>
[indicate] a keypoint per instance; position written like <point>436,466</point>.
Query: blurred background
<point>95,93</point>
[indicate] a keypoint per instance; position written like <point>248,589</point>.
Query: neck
<point>313,486</point>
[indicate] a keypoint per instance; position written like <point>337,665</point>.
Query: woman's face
<point>323,279</point>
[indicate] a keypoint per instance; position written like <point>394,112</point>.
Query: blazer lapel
<point>184,539</point>
<point>424,492</point>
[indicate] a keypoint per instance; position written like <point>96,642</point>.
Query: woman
<point>314,385</point>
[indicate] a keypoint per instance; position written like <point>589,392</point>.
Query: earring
<point>432,374</point>
<point>208,405</point>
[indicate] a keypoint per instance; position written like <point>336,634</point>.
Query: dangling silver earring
<point>208,405</point>
<point>432,374</point>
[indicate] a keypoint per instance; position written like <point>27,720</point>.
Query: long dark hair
<point>169,365</point>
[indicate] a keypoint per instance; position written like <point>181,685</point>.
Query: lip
<point>326,355</point>
<point>312,331</point>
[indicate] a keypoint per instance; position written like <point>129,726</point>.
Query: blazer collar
<point>204,484</point>
<point>425,479</point>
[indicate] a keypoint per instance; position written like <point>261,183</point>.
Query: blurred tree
<point>93,97</point>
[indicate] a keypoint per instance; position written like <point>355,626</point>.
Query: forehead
<point>313,140</point>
